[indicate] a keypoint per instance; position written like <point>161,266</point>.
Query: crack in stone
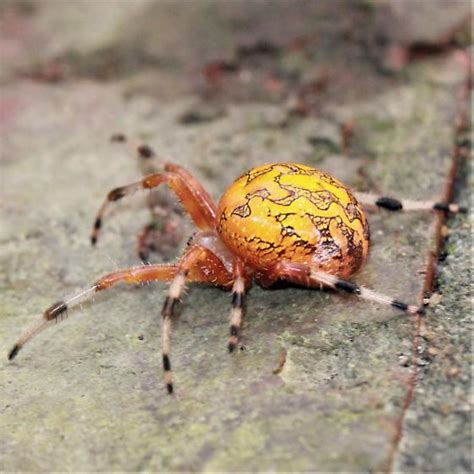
<point>461,127</point>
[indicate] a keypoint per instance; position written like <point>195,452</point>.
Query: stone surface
<point>420,22</point>
<point>88,395</point>
<point>437,436</point>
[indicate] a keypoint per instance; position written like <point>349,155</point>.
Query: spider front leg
<point>305,275</point>
<point>197,265</point>
<point>59,310</point>
<point>197,257</point>
<point>147,158</point>
<point>393,204</point>
<point>165,231</point>
<point>189,191</point>
<point>238,303</point>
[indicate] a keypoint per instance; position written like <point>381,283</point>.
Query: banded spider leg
<point>166,229</point>
<point>308,276</point>
<point>193,196</point>
<point>198,264</point>
<point>394,204</point>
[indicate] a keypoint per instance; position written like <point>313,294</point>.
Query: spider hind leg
<point>304,274</point>
<point>394,204</point>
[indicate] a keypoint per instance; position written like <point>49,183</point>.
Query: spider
<point>279,221</point>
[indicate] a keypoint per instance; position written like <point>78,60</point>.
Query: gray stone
<point>437,431</point>
<point>421,22</point>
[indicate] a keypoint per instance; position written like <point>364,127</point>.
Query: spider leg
<point>145,242</point>
<point>147,158</point>
<point>192,195</point>
<point>164,232</point>
<point>148,166</point>
<point>393,204</point>
<point>58,311</point>
<point>238,294</point>
<point>304,274</point>
<point>195,255</point>
<point>199,264</point>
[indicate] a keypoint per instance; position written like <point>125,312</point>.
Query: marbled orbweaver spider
<point>279,221</point>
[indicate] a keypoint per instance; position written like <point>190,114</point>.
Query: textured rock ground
<point>87,395</point>
<point>436,435</point>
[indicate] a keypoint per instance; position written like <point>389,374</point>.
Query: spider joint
<point>116,194</point>
<point>55,310</point>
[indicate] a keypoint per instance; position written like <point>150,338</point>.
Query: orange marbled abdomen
<point>292,212</point>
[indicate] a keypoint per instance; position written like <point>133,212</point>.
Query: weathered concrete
<point>88,395</point>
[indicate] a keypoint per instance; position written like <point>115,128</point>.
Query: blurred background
<point>267,51</point>
<point>375,92</point>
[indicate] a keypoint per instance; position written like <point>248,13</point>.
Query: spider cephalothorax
<point>281,221</point>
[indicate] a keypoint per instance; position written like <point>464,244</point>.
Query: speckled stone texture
<point>87,395</point>
<point>437,436</point>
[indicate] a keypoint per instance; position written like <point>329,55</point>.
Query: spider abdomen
<point>289,211</point>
